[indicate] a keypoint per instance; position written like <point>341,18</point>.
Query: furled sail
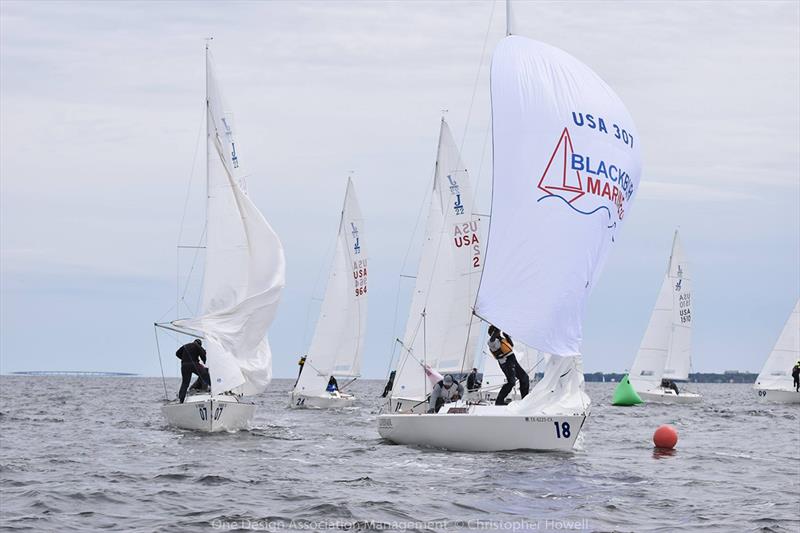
<point>777,371</point>
<point>338,340</point>
<point>439,331</point>
<point>566,171</point>
<point>665,351</point>
<point>244,266</point>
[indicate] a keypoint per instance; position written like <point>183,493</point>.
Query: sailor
<point>333,385</point>
<point>445,391</point>
<point>669,384</point>
<point>389,384</point>
<point>301,363</point>
<point>473,383</point>
<point>190,355</point>
<point>796,376</point>
<point>502,348</point>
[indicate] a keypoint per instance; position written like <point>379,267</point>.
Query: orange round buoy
<point>665,436</point>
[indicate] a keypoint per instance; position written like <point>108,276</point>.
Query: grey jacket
<point>448,395</point>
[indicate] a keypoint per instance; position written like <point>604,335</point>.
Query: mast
<point>208,129</point>
<point>508,18</point>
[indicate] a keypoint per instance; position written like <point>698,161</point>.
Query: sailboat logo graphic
<point>356,245</point>
<point>678,285</point>
<point>558,178</point>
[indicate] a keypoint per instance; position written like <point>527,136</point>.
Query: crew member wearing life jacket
<point>301,363</point>
<point>190,355</point>
<point>502,348</point>
<point>445,391</point>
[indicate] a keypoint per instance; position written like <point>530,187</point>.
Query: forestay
<point>438,331</point>
<point>338,340</point>
<point>665,351</point>
<point>566,170</point>
<point>777,371</point>
<point>244,266</point>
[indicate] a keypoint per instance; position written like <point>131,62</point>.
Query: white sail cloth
<point>566,170</point>
<point>777,371</point>
<point>559,392</point>
<point>338,341</point>
<point>528,358</point>
<point>665,351</point>
<point>244,267</point>
<point>439,330</point>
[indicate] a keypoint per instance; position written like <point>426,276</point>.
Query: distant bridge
<point>72,373</point>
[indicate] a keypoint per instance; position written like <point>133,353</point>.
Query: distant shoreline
<point>590,377</point>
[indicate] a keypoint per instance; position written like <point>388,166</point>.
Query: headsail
<point>244,265</point>
<point>339,336</point>
<point>439,331</point>
<point>777,371</point>
<point>566,170</point>
<point>665,351</point>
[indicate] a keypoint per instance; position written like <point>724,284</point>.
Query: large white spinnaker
<point>566,170</point>
<point>665,351</point>
<point>244,266</point>
<point>439,330</point>
<point>777,371</point>
<point>338,341</point>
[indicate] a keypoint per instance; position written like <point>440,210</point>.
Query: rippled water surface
<point>83,454</point>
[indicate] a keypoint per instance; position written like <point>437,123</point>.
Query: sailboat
<point>554,216</point>
<point>774,383</point>
<point>243,278</point>
<point>338,341</point>
<point>665,352</point>
<point>439,329</point>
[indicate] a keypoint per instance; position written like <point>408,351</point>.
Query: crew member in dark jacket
<point>473,383</point>
<point>191,356</point>
<point>796,376</point>
<point>502,348</point>
<point>669,384</point>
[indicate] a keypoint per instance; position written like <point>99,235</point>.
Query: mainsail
<point>338,340</point>
<point>439,331</point>
<point>566,170</point>
<point>665,351</point>
<point>244,265</point>
<point>777,371</point>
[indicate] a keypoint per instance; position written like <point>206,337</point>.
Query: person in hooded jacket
<point>445,391</point>
<point>796,376</point>
<point>191,355</point>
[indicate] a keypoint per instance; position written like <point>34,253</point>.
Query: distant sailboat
<point>546,244</point>
<point>338,340</point>
<point>243,279</point>
<point>439,328</point>
<point>665,352</point>
<point>774,383</point>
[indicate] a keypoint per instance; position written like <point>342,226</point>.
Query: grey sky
<point>101,107</point>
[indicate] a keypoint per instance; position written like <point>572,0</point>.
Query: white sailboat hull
<point>203,412</point>
<point>659,395</point>
<point>326,400</point>
<point>778,396</point>
<point>485,429</point>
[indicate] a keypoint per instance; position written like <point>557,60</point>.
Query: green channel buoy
<point>625,394</point>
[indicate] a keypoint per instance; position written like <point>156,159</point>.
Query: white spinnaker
<point>552,221</point>
<point>777,371</point>
<point>447,278</point>
<point>244,266</point>
<point>665,351</point>
<point>338,341</point>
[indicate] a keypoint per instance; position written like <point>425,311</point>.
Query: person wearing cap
<point>445,391</point>
<point>473,383</point>
<point>502,348</point>
<point>191,355</point>
<point>796,376</point>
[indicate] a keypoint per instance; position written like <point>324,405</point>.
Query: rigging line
<point>194,264</point>
<point>480,166</point>
<point>191,175</point>
<point>477,77</point>
<point>315,287</point>
<point>160,364</point>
